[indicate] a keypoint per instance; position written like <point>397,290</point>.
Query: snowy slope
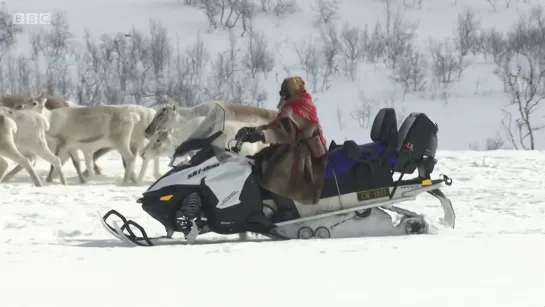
<point>53,252</point>
<point>468,114</point>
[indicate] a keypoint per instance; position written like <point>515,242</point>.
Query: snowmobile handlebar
<point>238,146</point>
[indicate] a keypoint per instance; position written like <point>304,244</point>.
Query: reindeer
<point>89,129</point>
<point>23,137</point>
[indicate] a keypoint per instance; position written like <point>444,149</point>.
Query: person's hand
<point>254,137</point>
<point>242,132</point>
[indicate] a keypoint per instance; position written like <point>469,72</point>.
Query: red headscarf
<point>303,106</point>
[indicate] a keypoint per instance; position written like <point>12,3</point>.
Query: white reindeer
<point>89,129</point>
<point>25,142</point>
<point>171,115</point>
<point>16,101</point>
<point>138,140</point>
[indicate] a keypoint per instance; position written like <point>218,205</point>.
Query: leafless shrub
<point>528,35</point>
<point>411,71</point>
<point>265,6</point>
<point>327,11</point>
<point>376,46</point>
<point>354,42</point>
<point>491,42</point>
<point>522,70</point>
<point>160,54</point>
<point>88,63</point>
<point>506,3</point>
<point>319,60</point>
<point>55,47</point>
<point>17,75</point>
<point>524,78</point>
<point>284,7</point>
<point>494,143</point>
<point>466,31</point>
<point>278,7</point>
<point>412,4</point>
<point>8,31</point>
<point>193,2</point>
<point>310,61</point>
<point>491,143</point>
<point>331,49</point>
<point>257,56</point>
<point>493,4</point>
<point>397,35</point>
<point>132,67</point>
<point>229,81</point>
<point>247,13</point>
<point>187,77</point>
<point>223,13</point>
<point>136,67</point>
<point>392,99</point>
<point>224,67</point>
<point>447,65</point>
<point>364,111</point>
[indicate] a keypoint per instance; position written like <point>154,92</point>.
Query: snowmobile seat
<point>353,167</point>
<point>417,145</point>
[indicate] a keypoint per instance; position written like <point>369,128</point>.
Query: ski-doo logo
<point>202,170</point>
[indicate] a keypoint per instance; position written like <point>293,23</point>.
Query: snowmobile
<point>213,189</point>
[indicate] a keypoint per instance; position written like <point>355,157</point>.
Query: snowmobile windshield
<point>208,133</point>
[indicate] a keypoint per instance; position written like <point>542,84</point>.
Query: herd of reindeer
<point>55,130</point>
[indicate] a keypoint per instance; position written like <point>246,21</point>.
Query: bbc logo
<point>31,18</point>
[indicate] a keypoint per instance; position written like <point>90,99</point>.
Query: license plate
<point>373,194</point>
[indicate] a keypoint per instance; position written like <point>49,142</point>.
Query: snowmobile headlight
<point>182,159</point>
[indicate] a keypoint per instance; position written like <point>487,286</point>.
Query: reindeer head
<point>33,103</point>
<point>158,145</point>
<point>6,111</point>
<point>164,119</point>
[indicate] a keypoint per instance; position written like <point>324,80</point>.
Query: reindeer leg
<point>156,170</point>
<point>3,167</point>
<point>143,170</point>
<point>77,166</point>
<point>14,155</point>
<point>89,165</point>
<point>128,158</point>
<point>55,162</point>
<point>63,154</point>
<point>12,173</point>
<point>97,154</point>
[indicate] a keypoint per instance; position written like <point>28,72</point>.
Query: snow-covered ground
<point>54,252</point>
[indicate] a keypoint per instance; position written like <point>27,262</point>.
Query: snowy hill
<point>349,51</point>
<point>54,253</point>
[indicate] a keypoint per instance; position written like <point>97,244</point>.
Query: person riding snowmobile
<point>297,148</point>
